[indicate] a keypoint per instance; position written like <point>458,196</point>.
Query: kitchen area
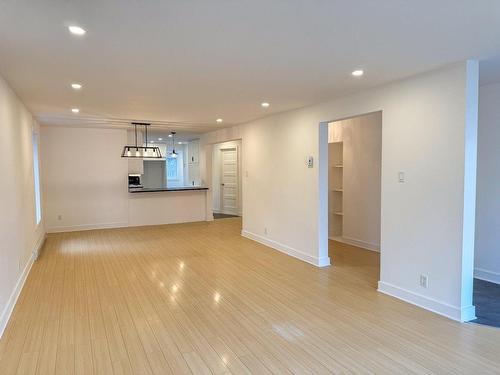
<point>101,177</point>
<point>164,181</point>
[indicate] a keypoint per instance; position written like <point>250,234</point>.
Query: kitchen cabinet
<point>194,174</point>
<point>193,151</point>
<point>193,159</point>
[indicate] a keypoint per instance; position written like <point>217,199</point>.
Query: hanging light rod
<point>173,154</point>
<point>136,151</point>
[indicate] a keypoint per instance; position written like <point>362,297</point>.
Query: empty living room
<point>249,187</point>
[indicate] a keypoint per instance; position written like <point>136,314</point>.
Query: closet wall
<point>355,153</point>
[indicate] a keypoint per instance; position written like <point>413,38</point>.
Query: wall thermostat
<point>401,177</point>
<point>310,162</point>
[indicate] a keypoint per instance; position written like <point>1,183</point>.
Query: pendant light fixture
<point>137,151</point>
<point>173,154</point>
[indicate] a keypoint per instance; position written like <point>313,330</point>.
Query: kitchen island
<point>168,205</point>
<point>158,189</point>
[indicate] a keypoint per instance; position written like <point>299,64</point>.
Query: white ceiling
<point>184,63</point>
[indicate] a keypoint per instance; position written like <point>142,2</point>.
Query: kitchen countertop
<point>178,188</point>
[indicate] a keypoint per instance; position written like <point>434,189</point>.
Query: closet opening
<point>354,179</point>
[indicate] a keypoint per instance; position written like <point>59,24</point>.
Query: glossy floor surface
<point>199,298</point>
<point>223,216</point>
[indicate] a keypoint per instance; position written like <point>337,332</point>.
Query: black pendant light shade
<point>136,151</point>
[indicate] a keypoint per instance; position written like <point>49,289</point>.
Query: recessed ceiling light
<point>170,136</point>
<point>357,73</point>
<point>219,120</point>
<point>76,86</point>
<point>75,110</point>
<point>152,141</point>
<point>179,143</point>
<point>160,139</point>
<point>76,30</point>
<point>265,104</point>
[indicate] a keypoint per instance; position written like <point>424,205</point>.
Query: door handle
<point>222,184</point>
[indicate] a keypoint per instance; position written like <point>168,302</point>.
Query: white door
<point>229,181</point>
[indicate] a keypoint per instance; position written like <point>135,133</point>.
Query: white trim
<point>463,314</point>
<point>81,227</point>
<point>11,303</point>
<point>482,274</point>
<point>358,243</point>
<point>38,245</point>
<point>318,262</point>
<point>239,180</point>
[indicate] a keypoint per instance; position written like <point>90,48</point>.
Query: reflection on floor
<point>365,265</point>
<point>222,216</point>
<point>198,298</point>
<point>487,302</point>
<point>359,263</point>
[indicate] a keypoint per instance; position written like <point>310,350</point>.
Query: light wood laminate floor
<point>199,298</point>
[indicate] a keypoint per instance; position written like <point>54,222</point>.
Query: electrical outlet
<point>59,217</point>
<point>424,282</point>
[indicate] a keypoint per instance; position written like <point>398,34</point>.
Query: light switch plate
<point>310,162</point>
<point>401,177</point>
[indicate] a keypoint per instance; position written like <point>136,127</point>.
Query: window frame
<point>36,178</point>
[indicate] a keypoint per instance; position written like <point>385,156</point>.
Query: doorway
<point>226,179</point>
<point>354,193</point>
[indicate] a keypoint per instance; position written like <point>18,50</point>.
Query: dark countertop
<point>179,188</point>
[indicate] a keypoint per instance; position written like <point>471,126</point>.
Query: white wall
<point>487,254</point>
<point>84,178</point>
<point>216,173</point>
<point>423,226</point>
<point>362,154</point>
<point>20,236</point>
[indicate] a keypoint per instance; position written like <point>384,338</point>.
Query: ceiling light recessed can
<point>160,139</point>
<point>265,104</point>
<point>76,30</point>
<point>170,136</point>
<point>357,73</point>
<point>219,120</point>
<point>76,86</point>
<point>75,110</point>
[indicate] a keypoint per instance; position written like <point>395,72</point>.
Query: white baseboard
<point>318,262</point>
<point>38,245</point>
<point>357,243</point>
<point>11,303</point>
<point>453,312</point>
<point>81,227</point>
<point>482,274</point>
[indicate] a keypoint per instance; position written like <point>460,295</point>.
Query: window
<point>175,169</point>
<point>36,173</point>
<point>172,168</point>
